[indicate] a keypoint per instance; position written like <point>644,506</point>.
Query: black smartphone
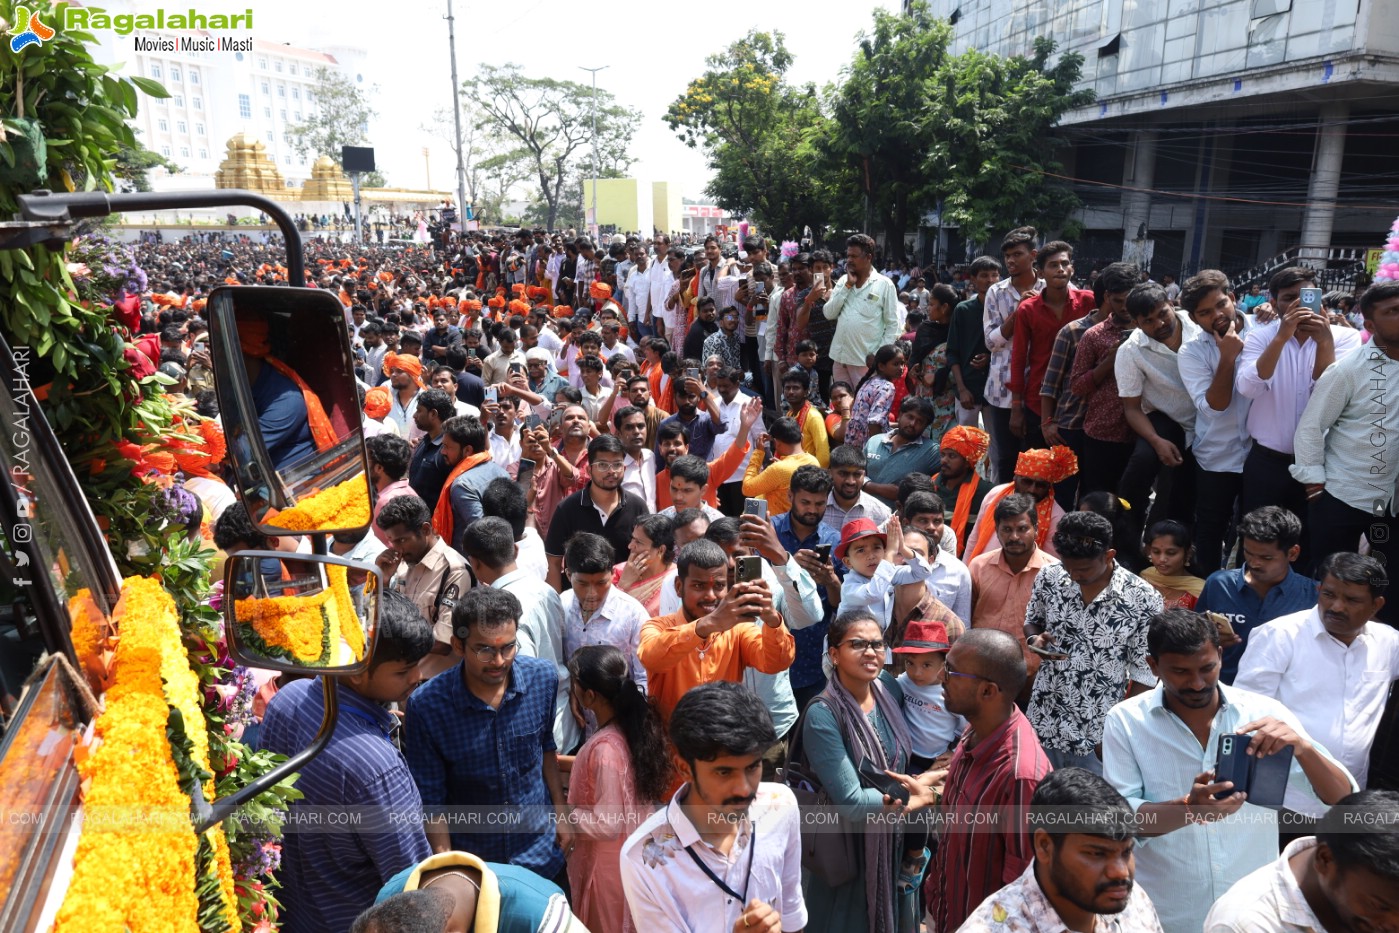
<point>823,552</point>
<point>1046,653</point>
<point>1263,779</point>
<point>692,373</point>
<point>748,568</point>
<point>876,778</point>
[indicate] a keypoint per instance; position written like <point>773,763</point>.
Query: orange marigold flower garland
<point>134,869</point>
<point>306,629</point>
<point>344,505</point>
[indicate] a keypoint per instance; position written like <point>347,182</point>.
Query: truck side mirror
<point>303,613</point>
<point>290,406</point>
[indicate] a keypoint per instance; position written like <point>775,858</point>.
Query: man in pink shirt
<point>389,455</point>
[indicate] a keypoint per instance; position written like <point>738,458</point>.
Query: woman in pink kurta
<point>620,776</point>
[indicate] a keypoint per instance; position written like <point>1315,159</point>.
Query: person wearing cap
<point>957,483</point>
<point>931,726</point>
<point>871,578</point>
<point>1036,472</point>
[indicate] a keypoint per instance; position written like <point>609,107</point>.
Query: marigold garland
<point>305,629</point>
<point>87,635</point>
<point>135,864</point>
<point>344,505</point>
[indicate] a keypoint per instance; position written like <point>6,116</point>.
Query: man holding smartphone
<point>1278,370</point>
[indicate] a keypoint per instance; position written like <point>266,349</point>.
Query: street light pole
<point>596,167</point>
<point>456,113</point>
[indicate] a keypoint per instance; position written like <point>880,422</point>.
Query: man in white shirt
<point>1343,878</point>
<point>490,550</point>
<point>1348,443</point>
<point>1156,405</point>
<point>640,312</point>
<point>1278,369</point>
<point>1330,665</point>
<point>1208,363</point>
<point>612,344</point>
<point>639,477</point>
<point>725,853</point>
<point>505,437</point>
<point>1159,750</point>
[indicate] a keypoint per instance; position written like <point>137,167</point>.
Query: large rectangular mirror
<point>284,374</point>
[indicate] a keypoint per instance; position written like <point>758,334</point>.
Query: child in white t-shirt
<point>932,728</point>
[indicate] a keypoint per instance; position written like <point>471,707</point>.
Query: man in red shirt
<point>1037,323</point>
<point>990,780</point>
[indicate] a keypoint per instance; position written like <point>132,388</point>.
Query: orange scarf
<point>443,521</point>
<point>963,510</point>
<point>253,339</point>
<point>1044,511</point>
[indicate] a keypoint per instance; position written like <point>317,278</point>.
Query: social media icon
<point>25,508</point>
<point>21,559</point>
<point>22,532</point>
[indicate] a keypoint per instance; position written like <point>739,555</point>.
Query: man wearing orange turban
<point>600,291</point>
<point>1036,472</point>
<point>963,448</point>
<point>377,403</point>
<point>405,374</point>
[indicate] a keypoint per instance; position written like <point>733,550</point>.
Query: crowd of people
<point>982,566</point>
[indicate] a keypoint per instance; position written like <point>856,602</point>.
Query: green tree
<point>339,118</point>
<point>133,162</point>
<point>885,122</point>
<point>552,123</point>
<point>759,133</point>
<point>374,179</point>
<point>995,170</point>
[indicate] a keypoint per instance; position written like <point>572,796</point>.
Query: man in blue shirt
<point>328,878</point>
<point>904,450</point>
<point>481,736</point>
<point>801,531</point>
<point>704,426</point>
<point>1265,587</point>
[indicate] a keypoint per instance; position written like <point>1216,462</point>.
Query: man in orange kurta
<point>713,636</point>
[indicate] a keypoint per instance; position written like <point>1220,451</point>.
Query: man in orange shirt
<point>712,637</point>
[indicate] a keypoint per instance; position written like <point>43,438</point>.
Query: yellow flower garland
<point>308,628</point>
<point>135,864</point>
<point>87,634</point>
<point>344,505</point>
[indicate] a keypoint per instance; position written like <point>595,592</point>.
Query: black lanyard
<point>748,876</point>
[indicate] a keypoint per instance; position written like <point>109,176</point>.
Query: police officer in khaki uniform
<point>422,566</point>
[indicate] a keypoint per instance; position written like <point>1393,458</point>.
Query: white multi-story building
<point>217,94</point>
<point>1231,133</point>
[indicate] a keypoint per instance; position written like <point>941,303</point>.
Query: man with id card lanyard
<point>726,842</point>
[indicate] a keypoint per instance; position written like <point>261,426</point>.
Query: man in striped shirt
<point>992,776</point>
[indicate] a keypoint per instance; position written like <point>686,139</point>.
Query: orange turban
<point>1054,465</point>
<point>377,402</point>
<point>406,362</point>
<point>469,305</point>
<point>517,289</point>
<point>600,290</point>
<point>971,443</point>
<point>254,336</point>
<point>537,291</point>
<point>497,302</point>
<point>563,311</point>
<point>519,307</point>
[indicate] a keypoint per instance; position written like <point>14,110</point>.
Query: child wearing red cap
<point>933,729</point>
<point>871,574</point>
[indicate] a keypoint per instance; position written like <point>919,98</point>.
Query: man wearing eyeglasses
<point>481,745</point>
<point>997,764</point>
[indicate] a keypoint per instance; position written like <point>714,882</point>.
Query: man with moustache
<point>1002,579</point>
<point>957,483</point>
<point>1084,836</point>
<point>601,507</point>
<point>995,769</point>
<point>1154,744</point>
<point>1108,440</point>
<point>481,735</point>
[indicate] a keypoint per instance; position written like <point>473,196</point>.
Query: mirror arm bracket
<point>208,816</point>
<point>65,207</point>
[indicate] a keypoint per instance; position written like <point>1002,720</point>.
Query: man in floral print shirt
<point>1083,875</point>
<point>1096,612</point>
